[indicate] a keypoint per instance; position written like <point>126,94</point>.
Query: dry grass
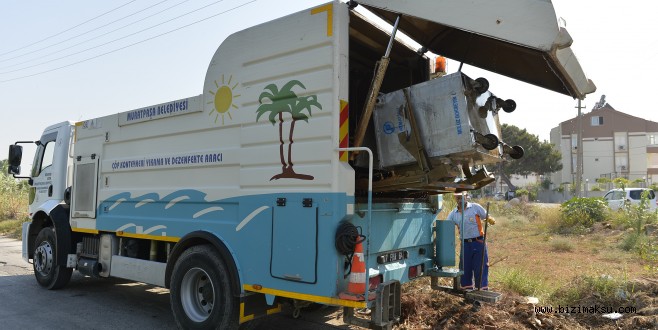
<point>11,228</point>
<point>562,245</point>
<point>556,259</point>
<point>13,206</point>
<point>527,258</point>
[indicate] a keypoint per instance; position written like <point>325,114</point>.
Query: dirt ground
<point>555,264</point>
<point>424,308</point>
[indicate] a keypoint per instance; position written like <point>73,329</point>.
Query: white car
<point>616,198</point>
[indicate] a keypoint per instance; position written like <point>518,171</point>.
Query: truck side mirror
<point>14,159</point>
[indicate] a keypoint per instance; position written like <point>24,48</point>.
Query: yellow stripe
<point>308,297</point>
<point>151,237</point>
<point>131,235</point>
<point>85,230</point>
<point>244,318</point>
<point>274,310</point>
<point>343,129</point>
<point>75,130</point>
<point>329,8</point>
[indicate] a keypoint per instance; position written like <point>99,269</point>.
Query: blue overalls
<point>473,246</point>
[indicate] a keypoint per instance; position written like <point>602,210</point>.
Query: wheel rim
<point>197,294</point>
<point>43,258</point>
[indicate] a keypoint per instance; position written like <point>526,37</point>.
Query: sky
<point>121,68</point>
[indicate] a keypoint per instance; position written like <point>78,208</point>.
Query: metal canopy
<point>516,38</point>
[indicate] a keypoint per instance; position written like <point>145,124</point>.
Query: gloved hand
<point>491,220</point>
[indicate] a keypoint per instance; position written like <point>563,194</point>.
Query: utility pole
<point>579,152</point>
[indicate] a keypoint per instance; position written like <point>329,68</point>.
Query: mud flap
<point>254,305</point>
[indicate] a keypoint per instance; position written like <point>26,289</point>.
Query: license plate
<point>392,256</point>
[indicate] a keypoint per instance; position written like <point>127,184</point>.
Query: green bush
<point>621,182</point>
<point>522,192</point>
<point>581,213</point>
<point>13,195</point>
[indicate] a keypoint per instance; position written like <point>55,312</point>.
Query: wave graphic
<point>182,204</point>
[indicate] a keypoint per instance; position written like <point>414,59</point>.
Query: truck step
<point>483,296</point>
<point>385,310</point>
<point>445,272</point>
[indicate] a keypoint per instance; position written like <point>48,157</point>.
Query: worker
<point>473,244</point>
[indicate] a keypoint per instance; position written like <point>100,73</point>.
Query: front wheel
<point>201,296</point>
<point>49,275</point>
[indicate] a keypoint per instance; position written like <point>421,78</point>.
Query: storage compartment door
<point>84,190</point>
<point>294,243</point>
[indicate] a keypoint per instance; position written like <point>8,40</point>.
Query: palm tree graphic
<point>277,102</point>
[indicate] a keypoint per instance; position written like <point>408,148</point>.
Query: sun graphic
<point>223,100</point>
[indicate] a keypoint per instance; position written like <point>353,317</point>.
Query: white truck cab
<point>48,177</point>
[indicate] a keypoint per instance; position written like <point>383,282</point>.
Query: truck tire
<point>48,275</point>
<point>201,296</point>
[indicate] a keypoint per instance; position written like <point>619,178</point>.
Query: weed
<point>549,219</point>
<point>521,282</point>
<point>632,240</point>
<point>603,289</point>
<point>11,228</point>
<point>13,203</point>
<point>562,245</point>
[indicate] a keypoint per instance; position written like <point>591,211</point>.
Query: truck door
<point>294,240</point>
<point>49,168</point>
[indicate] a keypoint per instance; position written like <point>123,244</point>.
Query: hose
<point>347,237</point>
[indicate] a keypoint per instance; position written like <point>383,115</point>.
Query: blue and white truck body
<point>235,198</point>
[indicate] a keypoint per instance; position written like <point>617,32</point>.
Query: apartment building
<point>614,145</point>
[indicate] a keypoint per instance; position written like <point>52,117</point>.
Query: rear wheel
<point>48,274</point>
<point>201,296</point>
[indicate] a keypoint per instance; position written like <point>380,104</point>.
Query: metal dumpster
<point>456,118</point>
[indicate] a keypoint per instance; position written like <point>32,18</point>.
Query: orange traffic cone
<point>357,278</point>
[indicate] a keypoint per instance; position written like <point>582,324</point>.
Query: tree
<point>621,183</point>
<point>277,102</point>
<point>539,157</point>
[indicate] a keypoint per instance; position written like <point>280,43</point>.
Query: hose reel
<point>347,237</point>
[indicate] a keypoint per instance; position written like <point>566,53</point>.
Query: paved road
<point>87,303</point>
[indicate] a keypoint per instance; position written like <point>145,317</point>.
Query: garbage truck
<point>310,168</point>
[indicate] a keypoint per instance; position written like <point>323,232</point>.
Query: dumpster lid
<point>519,39</point>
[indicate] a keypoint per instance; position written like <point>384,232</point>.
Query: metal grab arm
<point>375,85</point>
